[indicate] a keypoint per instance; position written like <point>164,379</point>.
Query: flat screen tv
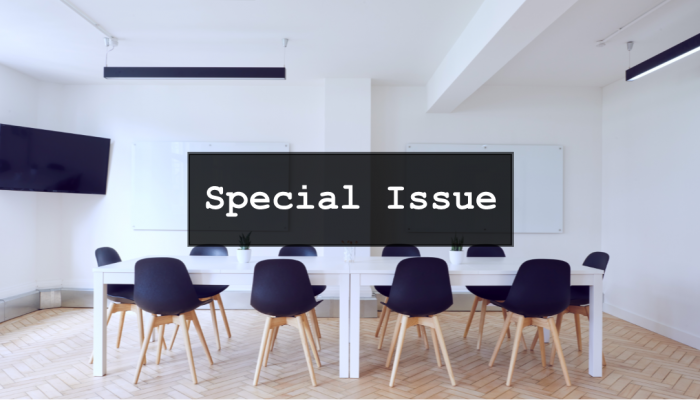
<point>46,161</point>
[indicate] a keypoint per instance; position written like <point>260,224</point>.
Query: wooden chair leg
<point>534,340</point>
<point>522,337</point>
<point>261,354</point>
<point>188,347</point>
<point>543,355</point>
<point>274,337</point>
<point>161,331</point>
<point>268,346</point>
<point>122,316</point>
<point>436,346</point>
<point>316,326</point>
<point>425,336</point>
<point>418,329</point>
<point>482,321</point>
<point>381,319</point>
<point>223,314</point>
<point>560,317</point>
<point>506,325</point>
<point>302,336</point>
<point>505,315</point>
<point>402,335</point>
<point>212,308</point>
<point>144,349</point>
<point>516,345</point>
<point>307,330</point>
<point>385,325</point>
<point>314,332</point>
<point>557,345</point>
<point>172,340</point>
<point>577,321</point>
<point>397,328</point>
<point>471,316</point>
<point>198,328</point>
<point>441,340</point>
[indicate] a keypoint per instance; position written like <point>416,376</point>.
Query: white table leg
<point>99,335</point>
<point>354,326</point>
<point>595,330</point>
<point>344,326</point>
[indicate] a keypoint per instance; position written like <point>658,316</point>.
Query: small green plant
<point>457,243</point>
<point>244,241</point>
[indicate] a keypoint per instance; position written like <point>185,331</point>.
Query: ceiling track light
<point>601,43</point>
<point>663,59</point>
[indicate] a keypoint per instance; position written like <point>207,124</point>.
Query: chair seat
<point>490,292</point>
<point>318,289</point>
<point>204,291</point>
<point>579,296</point>
<point>418,310</point>
<point>383,290</point>
<point>123,294</point>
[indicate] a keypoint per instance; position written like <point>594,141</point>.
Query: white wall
<point>18,222</point>
<point>127,113</point>
<point>513,115</point>
<point>651,189</point>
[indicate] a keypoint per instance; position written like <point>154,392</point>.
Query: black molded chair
<point>299,250</point>
<point>541,289</point>
<point>282,290</point>
<point>420,290</point>
<point>163,288</point>
<point>485,294</point>
<point>121,296</point>
<point>580,298</point>
<point>394,250</point>
<point>210,292</point>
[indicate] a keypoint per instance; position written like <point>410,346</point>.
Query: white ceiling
<point>391,41</point>
<point>566,55</point>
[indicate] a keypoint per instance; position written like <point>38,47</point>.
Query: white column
<point>344,326</point>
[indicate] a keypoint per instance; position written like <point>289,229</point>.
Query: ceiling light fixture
<point>242,73</point>
<point>663,59</point>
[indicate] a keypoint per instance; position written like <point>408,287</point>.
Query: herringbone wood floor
<point>46,353</point>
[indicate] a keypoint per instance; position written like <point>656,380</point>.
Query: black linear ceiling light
<point>665,58</point>
<point>279,73</point>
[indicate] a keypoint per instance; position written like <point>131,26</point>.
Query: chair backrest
<point>163,286</point>
<point>421,286</point>
<point>298,250</point>
<point>209,251</point>
<point>597,260</point>
<point>281,288</point>
<point>106,256</point>
<point>485,251</point>
<point>400,250</point>
<point>541,288</point>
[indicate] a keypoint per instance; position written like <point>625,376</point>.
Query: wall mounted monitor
<point>40,160</point>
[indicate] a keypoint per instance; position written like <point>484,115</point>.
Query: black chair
<point>541,289</point>
<point>297,250</point>
<point>120,296</point>
<point>282,290</point>
<point>420,290</point>
<point>210,292</point>
<point>163,288</point>
<point>485,294</point>
<point>394,250</point>
<point>580,298</point>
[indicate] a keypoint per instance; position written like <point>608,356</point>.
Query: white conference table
<point>348,278</point>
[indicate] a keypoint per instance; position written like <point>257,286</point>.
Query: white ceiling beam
<point>499,30</point>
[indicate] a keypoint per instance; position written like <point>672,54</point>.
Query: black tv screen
<point>47,161</point>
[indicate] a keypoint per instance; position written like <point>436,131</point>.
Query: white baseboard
<point>679,335</point>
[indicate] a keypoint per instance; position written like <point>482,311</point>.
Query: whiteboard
<point>159,179</point>
<point>538,182</point>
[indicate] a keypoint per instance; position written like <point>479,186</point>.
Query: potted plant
<point>243,253</point>
<point>456,253</point>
